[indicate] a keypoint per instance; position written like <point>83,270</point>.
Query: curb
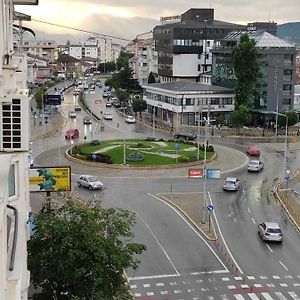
<point>163,198</point>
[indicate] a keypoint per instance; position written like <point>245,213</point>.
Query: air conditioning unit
<point>14,128</point>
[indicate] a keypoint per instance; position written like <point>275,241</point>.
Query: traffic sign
<point>177,147</point>
<point>94,156</point>
<point>210,208</point>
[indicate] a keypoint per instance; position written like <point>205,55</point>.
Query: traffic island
<point>195,209</point>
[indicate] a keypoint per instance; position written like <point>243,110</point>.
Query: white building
<point>14,147</point>
<point>105,46</point>
<point>297,98</point>
<point>179,103</point>
<point>144,61</point>
<point>45,49</point>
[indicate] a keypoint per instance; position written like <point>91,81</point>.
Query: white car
<point>90,182</point>
<point>72,114</point>
<point>270,231</point>
<point>231,184</point>
<point>255,166</point>
<point>107,116</point>
<point>130,119</point>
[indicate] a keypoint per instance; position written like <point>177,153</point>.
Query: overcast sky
<point>127,18</point>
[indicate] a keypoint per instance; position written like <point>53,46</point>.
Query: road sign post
<point>210,209</point>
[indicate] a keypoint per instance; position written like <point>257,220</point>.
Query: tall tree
<point>246,70</point>
<point>123,59</point>
<point>139,105</point>
<point>77,252</point>
<point>240,116</point>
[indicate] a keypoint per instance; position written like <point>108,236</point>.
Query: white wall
<point>185,65</point>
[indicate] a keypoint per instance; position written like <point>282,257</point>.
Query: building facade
<point>181,103</point>
<point>45,49</point>
<point>14,147</point>
<point>184,47</point>
<point>277,67</point>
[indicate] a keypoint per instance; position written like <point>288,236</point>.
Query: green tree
<point>246,70</point>
<point>139,105</point>
<point>77,252</point>
<point>292,118</point>
<point>240,117</point>
<point>123,59</point>
<point>151,78</point>
<point>122,95</point>
<point>39,97</point>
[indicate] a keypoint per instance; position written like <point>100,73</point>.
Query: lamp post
<point>124,142</point>
<point>153,122</point>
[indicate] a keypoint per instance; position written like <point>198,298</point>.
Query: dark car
<point>95,142</point>
<point>185,136</point>
<point>87,120</point>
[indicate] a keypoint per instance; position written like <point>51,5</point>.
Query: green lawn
<point>153,152</point>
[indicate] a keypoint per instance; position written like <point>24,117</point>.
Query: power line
<point>82,30</point>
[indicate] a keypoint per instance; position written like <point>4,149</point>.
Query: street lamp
<point>153,121</point>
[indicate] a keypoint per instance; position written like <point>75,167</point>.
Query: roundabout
<point>143,152</point>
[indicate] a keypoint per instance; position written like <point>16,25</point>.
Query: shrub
<point>135,156</point>
<point>210,148</point>
<point>184,159</point>
<point>100,157</point>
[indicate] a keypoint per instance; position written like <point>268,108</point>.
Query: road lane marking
<point>267,296</point>
<point>239,297</point>
<point>294,295</point>
<point>284,266</point>
<point>157,241</point>
<point>182,217</point>
<point>152,277</point>
<point>253,220</point>
<point>222,237</point>
<point>280,296</point>
<point>249,211</point>
<point>270,248</point>
<point>253,296</point>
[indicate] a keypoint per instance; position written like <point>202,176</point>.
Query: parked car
<point>270,231</point>
<point>108,103</point>
<point>255,166</point>
<point>77,108</point>
<point>253,151</point>
<point>87,120</point>
<point>90,182</point>
<point>72,134</point>
<point>130,119</point>
<point>231,184</point>
<point>72,114</point>
<point>185,136</point>
<point>95,142</point>
<point>107,116</point>
<point>105,94</point>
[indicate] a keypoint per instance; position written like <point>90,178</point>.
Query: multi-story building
<point>144,61</point>
<point>184,47</point>
<point>14,147</point>
<point>45,49</point>
<point>275,90</point>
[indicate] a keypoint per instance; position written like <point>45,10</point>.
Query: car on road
<point>253,151</point>
<point>107,116</point>
<point>72,114</point>
<point>270,231</point>
<point>231,184</point>
<point>90,182</point>
<point>130,119</point>
<point>108,103</point>
<point>185,136</point>
<point>255,166</point>
<point>87,120</point>
<point>106,94</point>
<point>72,134</point>
<point>77,108</point>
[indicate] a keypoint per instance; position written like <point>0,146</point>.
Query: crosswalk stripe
<point>224,297</point>
<point>267,296</point>
<point>294,295</point>
<point>280,296</point>
<point>253,296</point>
<point>239,297</point>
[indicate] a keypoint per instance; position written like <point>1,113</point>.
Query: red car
<point>253,151</point>
<point>72,134</point>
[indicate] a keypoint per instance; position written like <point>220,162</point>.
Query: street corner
<point>195,210</point>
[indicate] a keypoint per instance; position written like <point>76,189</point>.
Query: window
<point>11,181</point>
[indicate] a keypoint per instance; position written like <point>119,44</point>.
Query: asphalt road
<point>179,263</point>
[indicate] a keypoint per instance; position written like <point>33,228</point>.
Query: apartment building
<point>277,67</point>
<point>145,59</point>
<point>14,147</point>
<point>45,49</point>
<point>184,46</point>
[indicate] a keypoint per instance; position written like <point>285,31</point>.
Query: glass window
<point>11,181</point>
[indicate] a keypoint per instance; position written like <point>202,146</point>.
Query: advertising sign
<point>195,173</point>
<point>213,173</point>
<point>50,179</point>
<point>53,99</point>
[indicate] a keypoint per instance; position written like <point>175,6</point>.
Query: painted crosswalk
<point>218,287</point>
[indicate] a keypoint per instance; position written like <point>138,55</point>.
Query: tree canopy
<point>240,116</point>
<point>123,59</point>
<point>246,70</point>
<point>78,252</point>
<point>139,105</point>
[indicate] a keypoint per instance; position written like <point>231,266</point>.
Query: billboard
<point>52,99</point>
<point>195,173</point>
<point>49,179</point>
<point>213,173</point>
